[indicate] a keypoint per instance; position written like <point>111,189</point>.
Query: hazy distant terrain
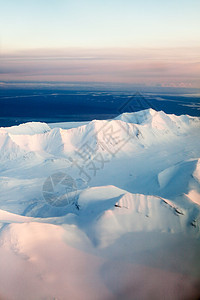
<point>24,105</point>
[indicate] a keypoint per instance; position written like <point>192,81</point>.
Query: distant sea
<point>25,105</point>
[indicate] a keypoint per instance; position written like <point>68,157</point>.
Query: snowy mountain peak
<point>138,117</point>
<point>81,201</point>
<point>29,128</point>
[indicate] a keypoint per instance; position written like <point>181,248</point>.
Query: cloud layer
<point>164,67</point>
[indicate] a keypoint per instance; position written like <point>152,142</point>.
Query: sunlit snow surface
<point>102,209</point>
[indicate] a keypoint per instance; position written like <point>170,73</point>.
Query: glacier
<point>104,209</point>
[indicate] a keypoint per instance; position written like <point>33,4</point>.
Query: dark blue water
<point>24,105</point>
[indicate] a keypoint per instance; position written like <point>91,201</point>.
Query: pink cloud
<point>179,67</point>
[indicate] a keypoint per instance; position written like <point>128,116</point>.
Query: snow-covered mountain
<point>99,209</point>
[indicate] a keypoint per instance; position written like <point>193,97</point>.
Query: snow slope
<point>95,210</point>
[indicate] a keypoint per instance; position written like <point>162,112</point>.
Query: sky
<point>146,42</point>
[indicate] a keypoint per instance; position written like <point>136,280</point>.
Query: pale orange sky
<point>138,42</point>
